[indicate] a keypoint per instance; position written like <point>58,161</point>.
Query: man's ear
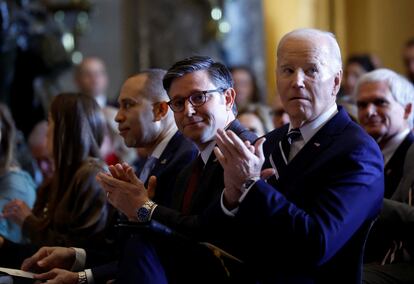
<point>230,97</point>
<point>407,110</point>
<point>337,82</point>
<point>160,110</point>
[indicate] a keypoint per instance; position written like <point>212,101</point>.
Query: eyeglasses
<point>197,99</point>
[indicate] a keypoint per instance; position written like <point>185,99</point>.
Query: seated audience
<point>70,208</point>
<point>145,121</point>
<point>14,182</point>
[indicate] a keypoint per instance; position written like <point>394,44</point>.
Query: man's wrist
<point>231,198</point>
<point>144,213</point>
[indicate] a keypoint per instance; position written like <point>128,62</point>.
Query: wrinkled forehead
<point>315,50</point>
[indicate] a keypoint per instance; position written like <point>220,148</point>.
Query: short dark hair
<point>363,60</point>
<point>218,72</point>
<point>153,87</point>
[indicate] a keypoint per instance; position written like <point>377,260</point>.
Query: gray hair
<point>335,64</point>
<point>401,89</point>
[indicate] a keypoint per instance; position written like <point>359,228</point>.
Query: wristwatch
<point>144,212</point>
<point>82,279</point>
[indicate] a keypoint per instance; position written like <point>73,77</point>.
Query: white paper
<point>16,272</point>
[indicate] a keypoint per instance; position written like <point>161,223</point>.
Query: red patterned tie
<point>192,184</point>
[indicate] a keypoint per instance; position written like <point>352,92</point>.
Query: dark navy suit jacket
<point>310,225</point>
<point>178,153</point>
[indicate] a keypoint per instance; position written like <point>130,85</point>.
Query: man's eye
<point>362,105</point>
<point>312,70</point>
<point>287,70</point>
<point>197,98</point>
<point>380,102</point>
<point>178,103</point>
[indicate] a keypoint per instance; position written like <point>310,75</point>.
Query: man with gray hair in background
<point>385,100</point>
<point>385,110</point>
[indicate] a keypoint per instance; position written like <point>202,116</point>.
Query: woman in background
<point>70,209</point>
<point>14,183</point>
<point>248,98</point>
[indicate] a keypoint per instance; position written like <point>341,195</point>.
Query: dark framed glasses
<point>196,99</point>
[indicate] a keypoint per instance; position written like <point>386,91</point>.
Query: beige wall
<point>376,26</point>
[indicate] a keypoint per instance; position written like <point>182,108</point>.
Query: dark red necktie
<point>192,184</point>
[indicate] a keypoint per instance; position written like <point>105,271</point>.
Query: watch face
<point>143,214</point>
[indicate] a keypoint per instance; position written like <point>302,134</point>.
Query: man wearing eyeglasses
<point>202,99</point>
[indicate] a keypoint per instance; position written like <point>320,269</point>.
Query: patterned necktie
<point>148,167</point>
<point>292,136</point>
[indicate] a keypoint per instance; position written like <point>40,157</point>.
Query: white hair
<point>335,60</point>
<point>401,89</point>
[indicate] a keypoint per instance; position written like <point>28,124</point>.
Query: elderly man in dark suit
<point>309,221</point>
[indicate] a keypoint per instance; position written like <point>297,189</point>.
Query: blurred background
<point>42,41</point>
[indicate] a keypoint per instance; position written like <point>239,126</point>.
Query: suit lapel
<point>211,180</point>
<point>309,155</point>
<point>167,155</point>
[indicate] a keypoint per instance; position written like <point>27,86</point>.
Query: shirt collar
<point>309,129</point>
<point>206,153</point>
<point>392,145</point>
<point>163,144</point>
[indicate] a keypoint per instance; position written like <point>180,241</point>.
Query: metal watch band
<point>82,279</point>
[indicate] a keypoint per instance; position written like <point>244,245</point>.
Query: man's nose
<point>299,79</point>
<point>119,117</point>
<point>371,109</point>
<point>188,108</point>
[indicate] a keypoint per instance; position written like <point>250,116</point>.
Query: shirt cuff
<point>245,191</point>
<point>80,259</point>
<point>89,276</point>
<point>230,213</point>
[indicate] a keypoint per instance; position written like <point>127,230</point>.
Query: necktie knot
<point>293,135</point>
